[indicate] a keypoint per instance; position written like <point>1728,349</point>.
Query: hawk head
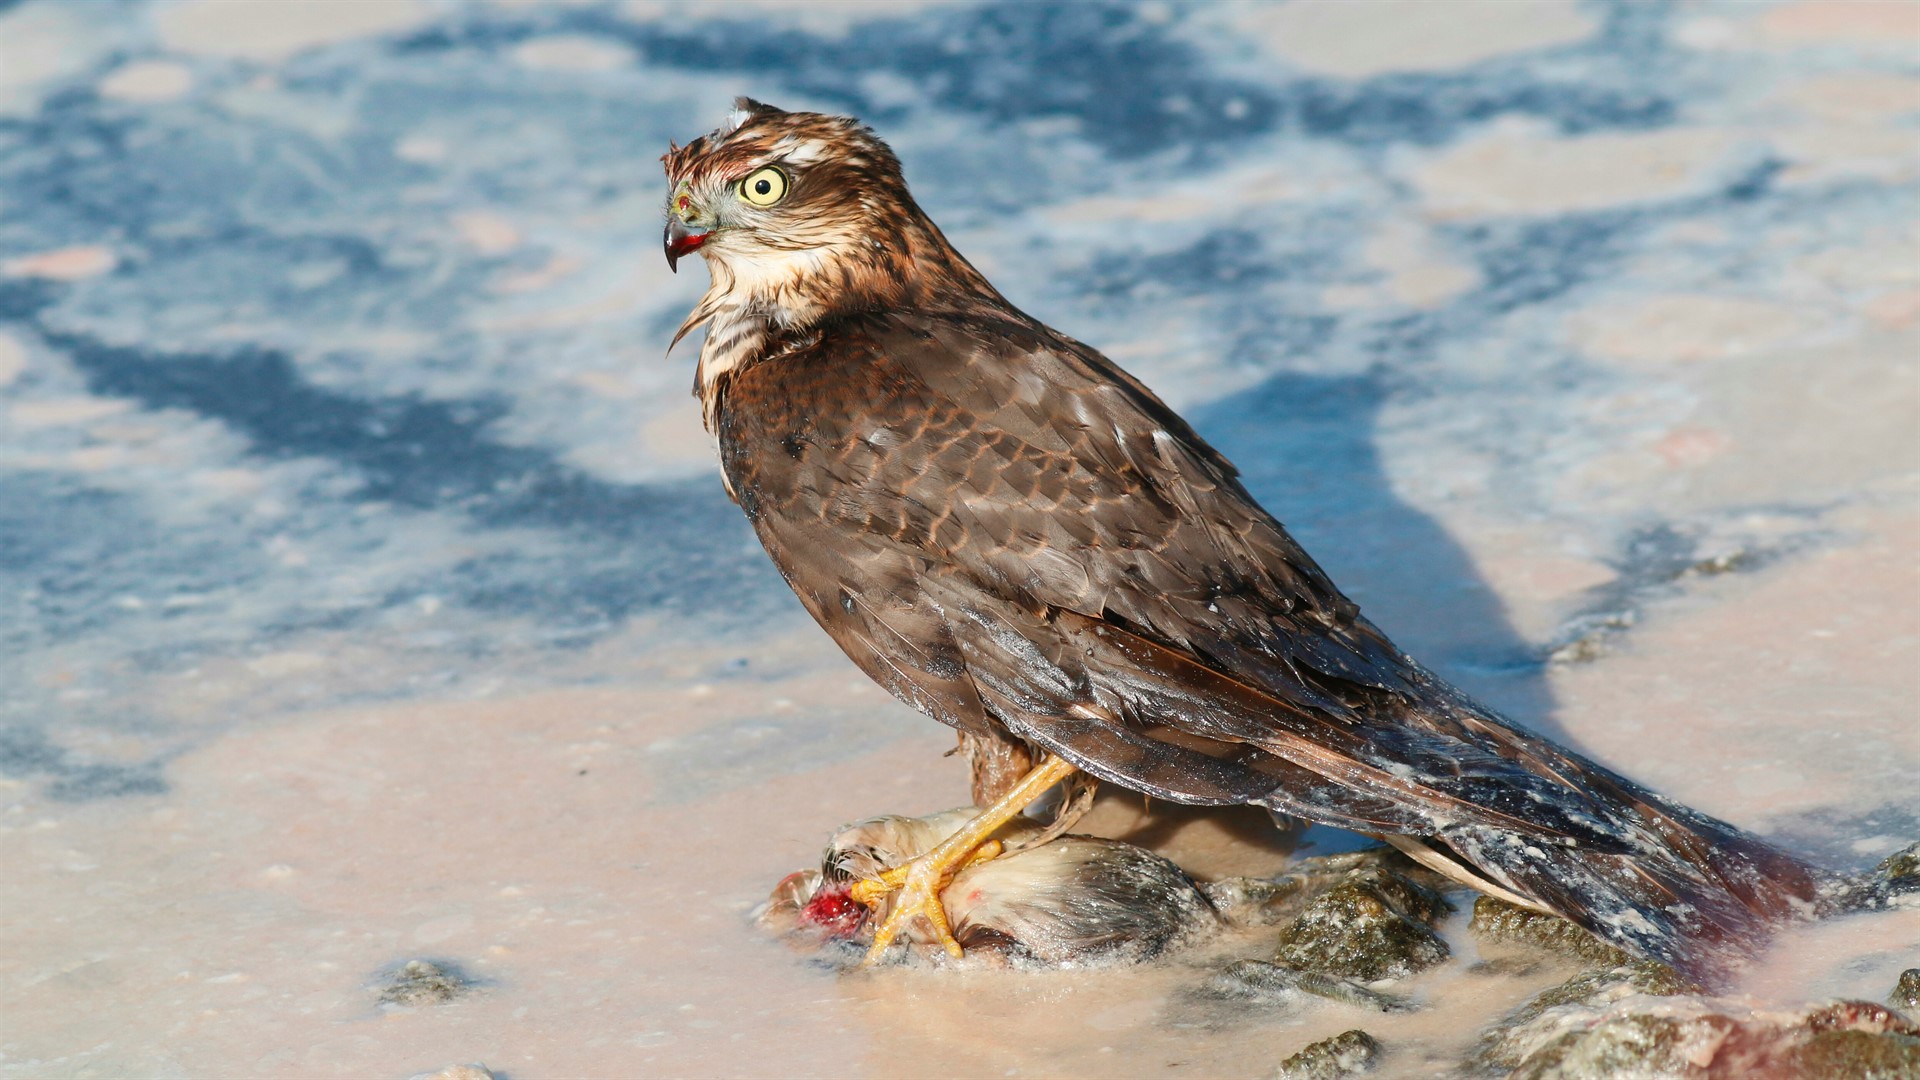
<point>803,215</point>
<point>769,185</point>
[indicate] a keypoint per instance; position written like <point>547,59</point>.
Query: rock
<point>1271,985</point>
<point>1693,1038</point>
<point>1325,871</point>
<point>1517,967</point>
<point>1374,925</point>
<point>1893,883</point>
<point>1497,920</point>
<point>1857,1055</point>
<point>1639,1045</point>
<point>1857,1015</point>
<point>1906,993</point>
<point>1723,563</point>
<point>1900,871</point>
<point>424,982</point>
<point>1410,898</point>
<point>1526,1028</point>
<point>1244,901</point>
<point>472,1071</point>
<point>1584,649</point>
<point>1589,638</point>
<point>1349,1053</point>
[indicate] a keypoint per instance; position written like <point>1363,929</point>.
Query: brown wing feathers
<point>1017,537</point>
<point>1073,525</point>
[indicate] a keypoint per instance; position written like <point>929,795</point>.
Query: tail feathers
<point>1685,888</point>
<point>1697,894</point>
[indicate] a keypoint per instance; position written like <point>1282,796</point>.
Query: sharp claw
<point>920,898</point>
<point>925,878</point>
<point>873,890</point>
<point>984,853</point>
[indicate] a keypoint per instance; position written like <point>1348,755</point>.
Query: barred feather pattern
<point>1013,535</point>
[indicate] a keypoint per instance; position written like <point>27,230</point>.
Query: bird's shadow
<point>1306,450</point>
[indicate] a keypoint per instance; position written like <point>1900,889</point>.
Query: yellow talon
<point>924,902</point>
<point>921,881</point>
<point>871,891</point>
<point>985,852</point>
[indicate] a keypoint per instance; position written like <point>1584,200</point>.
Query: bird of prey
<point>1016,537</point>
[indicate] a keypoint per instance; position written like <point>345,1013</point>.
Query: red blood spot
<point>685,244</point>
<point>835,912</point>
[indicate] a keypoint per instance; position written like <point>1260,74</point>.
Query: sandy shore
<point>367,594</point>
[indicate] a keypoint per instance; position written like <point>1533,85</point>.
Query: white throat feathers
<point>746,303</point>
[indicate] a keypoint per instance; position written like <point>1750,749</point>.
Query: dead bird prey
<point>1019,539</point>
<point>1073,901</point>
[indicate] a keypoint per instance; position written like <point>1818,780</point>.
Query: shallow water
<point>367,593</point>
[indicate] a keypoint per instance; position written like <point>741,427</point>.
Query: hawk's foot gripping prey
<point>1016,537</point>
<point>920,881</point>
<point>1068,901</point>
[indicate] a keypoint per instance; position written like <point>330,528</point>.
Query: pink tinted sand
<point>589,856</point>
<point>237,926</point>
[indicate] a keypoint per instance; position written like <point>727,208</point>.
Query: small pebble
<point>424,982</point>
<point>471,1071</point>
<point>1901,871</point>
<point>1906,993</point>
<point>1893,883</point>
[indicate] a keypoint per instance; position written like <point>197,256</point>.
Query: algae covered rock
<point>424,982</point>
<point>1906,993</point>
<point>1894,882</point>
<point>1685,1038</point>
<point>1499,921</point>
<point>1637,1044</point>
<point>1899,872</point>
<point>1544,1016</point>
<point>1373,925</point>
<point>1349,1053</point>
<point>1857,1055</point>
<point>1262,983</point>
<point>1248,901</point>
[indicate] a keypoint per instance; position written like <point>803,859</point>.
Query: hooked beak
<point>681,240</point>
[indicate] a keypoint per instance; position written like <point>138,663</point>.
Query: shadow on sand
<point>1305,448</point>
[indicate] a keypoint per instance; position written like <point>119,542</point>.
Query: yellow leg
<point>921,880</point>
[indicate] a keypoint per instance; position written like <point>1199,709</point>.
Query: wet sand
<point>594,881</point>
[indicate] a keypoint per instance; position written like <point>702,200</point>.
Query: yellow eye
<point>765,187</point>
